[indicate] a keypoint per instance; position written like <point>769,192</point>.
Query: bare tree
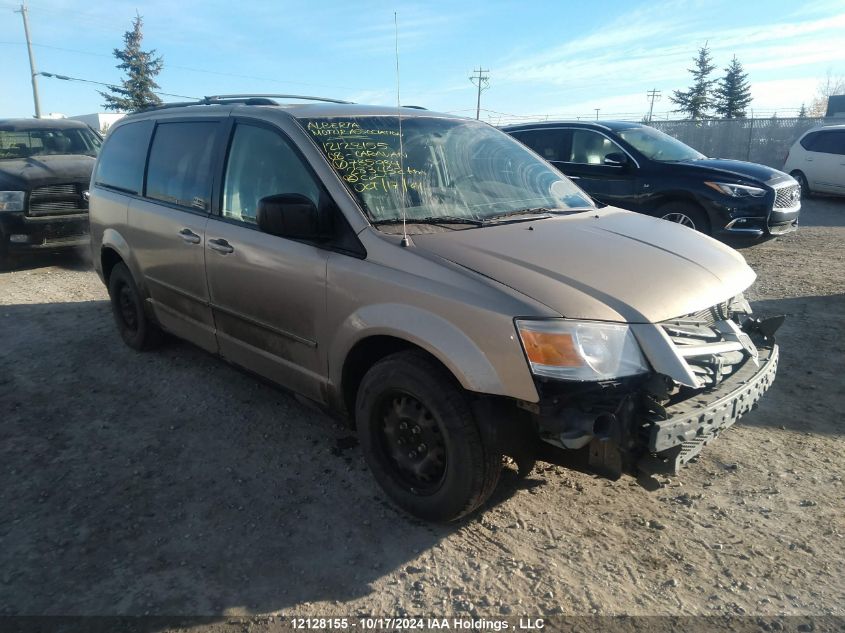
<point>829,86</point>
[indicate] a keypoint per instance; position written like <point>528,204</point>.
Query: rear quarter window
<point>121,163</point>
<point>827,142</point>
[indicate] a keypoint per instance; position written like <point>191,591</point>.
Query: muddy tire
<point>421,440</point>
<point>685,213</point>
<point>135,328</point>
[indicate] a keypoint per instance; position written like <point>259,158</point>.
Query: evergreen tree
<point>697,101</point>
<point>734,92</point>
<point>136,92</point>
<point>802,113</point>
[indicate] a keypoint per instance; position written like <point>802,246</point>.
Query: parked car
<point>45,167</point>
<point>817,160</point>
<point>636,167</point>
<point>451,294</point>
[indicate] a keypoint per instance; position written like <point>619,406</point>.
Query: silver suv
<point>440,285</point>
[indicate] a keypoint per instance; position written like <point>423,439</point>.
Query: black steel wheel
<point>421,440</point>
<point>135,328</point>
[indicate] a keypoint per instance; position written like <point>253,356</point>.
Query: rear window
<point>830,142</point>
<point>179,171</point>
<point>121,164</point>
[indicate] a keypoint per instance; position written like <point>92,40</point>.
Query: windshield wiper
<point>446,219</point>
<point>534,212</point>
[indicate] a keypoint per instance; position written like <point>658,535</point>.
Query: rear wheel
<point>802,183</point>
<point>136,330</point>
<point>686,214</point>
<point>421,441</point>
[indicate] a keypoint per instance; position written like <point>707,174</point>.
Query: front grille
<point>787,197</point>
<point>711,343</point>
<point>57,200</point>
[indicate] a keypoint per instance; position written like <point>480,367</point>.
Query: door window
<point>590,148</point>
<point>262,163</point>
<point>551,144</point>
<point>179,170</point>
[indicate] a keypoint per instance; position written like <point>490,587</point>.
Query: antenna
<point>405,240</point>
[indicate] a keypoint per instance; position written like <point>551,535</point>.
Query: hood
<point>27,173</point>
<point>609,265</point>
<point>736,169</point>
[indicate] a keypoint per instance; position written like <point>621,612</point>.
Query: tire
<point>5,257</point>
<point>685,213</point>
<point>455,471</point>
<point>806,193</point>
<point>135,328</point>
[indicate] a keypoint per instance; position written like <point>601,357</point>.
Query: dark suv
<point>45,168</point>
<point>637,167</point>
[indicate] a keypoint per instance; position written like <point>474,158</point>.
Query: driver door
<point>267,293</point>
<point>609,184</point>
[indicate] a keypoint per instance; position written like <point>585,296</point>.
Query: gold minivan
<point>432,280</point>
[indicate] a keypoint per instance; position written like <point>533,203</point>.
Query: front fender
<point>441,338</point>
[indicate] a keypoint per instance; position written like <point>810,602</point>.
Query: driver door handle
<point>189,236</point>
<point>221,246</point>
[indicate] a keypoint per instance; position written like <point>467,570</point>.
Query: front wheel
<point>421,441</point>
<point>686,214</point>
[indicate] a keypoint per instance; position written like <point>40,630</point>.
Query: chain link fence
<point>764,141</point>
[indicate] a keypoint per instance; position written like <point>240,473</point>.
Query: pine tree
<point>697,101</point>
<point>733,94</point>
<point>802,113</point>
<point>136,92</point>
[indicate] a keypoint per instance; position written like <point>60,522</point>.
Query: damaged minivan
<point>430,279</point>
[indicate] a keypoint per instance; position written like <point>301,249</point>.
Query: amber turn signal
<point>556,349</point>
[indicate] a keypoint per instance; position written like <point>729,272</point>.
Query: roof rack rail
<point>215,98</point>
<point>248,99</point>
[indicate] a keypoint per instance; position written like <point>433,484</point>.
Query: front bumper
<point>624,429</point>
<point>753,218</point>
<point>22,233</point>
<point>692,424</point>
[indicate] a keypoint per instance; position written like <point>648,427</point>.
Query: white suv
<point>817,160</point>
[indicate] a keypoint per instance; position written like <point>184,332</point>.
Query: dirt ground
<point>171,483</point>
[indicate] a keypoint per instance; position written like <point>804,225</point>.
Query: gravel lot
<point>171,483</point>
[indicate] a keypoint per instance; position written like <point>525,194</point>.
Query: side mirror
<point>616,159</point>
<point>289,215</point>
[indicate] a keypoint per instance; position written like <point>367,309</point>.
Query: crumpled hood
<point>609,264</point>
<point>735,170</point>
<point>27,173</point>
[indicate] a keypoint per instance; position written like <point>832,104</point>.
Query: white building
<point>101,121</point>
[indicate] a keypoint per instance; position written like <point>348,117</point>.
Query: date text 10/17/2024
<point>417,624</point>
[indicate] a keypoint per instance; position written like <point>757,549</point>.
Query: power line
<point>100,83</point>
<point>483,84</point>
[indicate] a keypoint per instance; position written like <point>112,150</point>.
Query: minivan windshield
<point>25,143</point>
<point>451,170</point>
<point>658,146</point>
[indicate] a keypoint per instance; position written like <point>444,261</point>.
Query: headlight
<point>11,200</point>
<point>737,191</point>
<point>580,350</point>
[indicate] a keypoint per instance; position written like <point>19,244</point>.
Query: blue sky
<point>545,58</point>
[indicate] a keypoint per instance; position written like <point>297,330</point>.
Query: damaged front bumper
<point>692,424</point>
<point>655,424</point>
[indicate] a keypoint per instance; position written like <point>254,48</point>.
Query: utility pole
<point>653,95</point>
<point>597,113</point>
<point>23,12</point>
<point>483,84</point>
